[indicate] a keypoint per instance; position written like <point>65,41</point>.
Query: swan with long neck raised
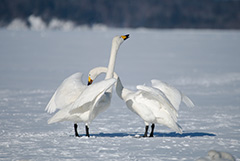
<point>150,103</point>
<point>80,103</point>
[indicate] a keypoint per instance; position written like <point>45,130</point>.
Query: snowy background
<point>203,64</point>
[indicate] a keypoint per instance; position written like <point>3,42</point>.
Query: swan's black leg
<point>151,134</point>
<point>75,129</point>
<point>87,131</point>
<point>146,131</point>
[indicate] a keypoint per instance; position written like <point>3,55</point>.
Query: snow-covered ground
<point>203,64</point>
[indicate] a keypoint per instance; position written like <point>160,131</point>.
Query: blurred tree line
<point>222,14</point>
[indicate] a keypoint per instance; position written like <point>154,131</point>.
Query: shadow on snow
<point>184,134</point>
<point>156,134</point>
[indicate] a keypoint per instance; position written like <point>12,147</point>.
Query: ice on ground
<point>214,155</point>
<point>203,64</point>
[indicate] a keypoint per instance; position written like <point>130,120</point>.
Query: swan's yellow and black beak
<point>125,37</point>
<point>89,81</point>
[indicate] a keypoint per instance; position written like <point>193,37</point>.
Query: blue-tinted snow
<point>204,64</point>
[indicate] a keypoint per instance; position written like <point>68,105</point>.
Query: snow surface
<point>203,64</point>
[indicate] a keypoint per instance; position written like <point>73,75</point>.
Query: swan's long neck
<point>112,60</point>
<point>122,92</point>
<point>119,88</point>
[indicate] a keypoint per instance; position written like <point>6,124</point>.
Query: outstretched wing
<point>66,93</point>
<point>163,111</point>
<point>174,95</point>
<point>91,93</point>
<point>157,95</point>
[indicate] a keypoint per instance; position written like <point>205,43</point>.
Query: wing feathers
<point>174,95</point>
<point>92,91</point>
<point>66,93</point>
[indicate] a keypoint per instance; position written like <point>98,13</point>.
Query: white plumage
<point>80,103</point>
<point>214,155</point>
<point>174,95</point>
<point>81,109</point>
<point>154,105</point>
<point>66,93</point>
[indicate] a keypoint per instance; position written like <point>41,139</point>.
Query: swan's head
<point>118,40</point>
<point>95,72</point>
<point>90,80</point>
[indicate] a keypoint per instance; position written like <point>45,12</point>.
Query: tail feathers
<point>58,117</point>
<point>53,120</point>
<point>187,101</point>
<point>178,128</point>
<point>171,124</point>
